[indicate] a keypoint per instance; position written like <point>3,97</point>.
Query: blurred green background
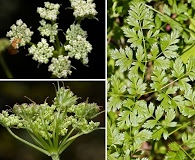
<point>87,147</point>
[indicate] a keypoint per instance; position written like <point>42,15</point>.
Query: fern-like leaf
<point>123,58</point>
<point>168,44</point>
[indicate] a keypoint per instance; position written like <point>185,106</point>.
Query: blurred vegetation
<point>87,147</point>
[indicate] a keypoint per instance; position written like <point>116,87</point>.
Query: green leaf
<point>117,89</point>
<point>180,8</point>
<point>128,103</point>
<point>150,124</point>
<point>123,58</point>
<point>151,108</point>
<point>169,117</point>
<point>190,68</point>
<point>136,86</point>
<point>142,136</point>
<point>124,120</point>
<point>141,110</point>
<point>137,13</point>
<point>190,96</point>
<point>178,68</point>
<point>159,79</point>
<point>127,119</point>
<point>154,50</point>
<point>114,137</point>
<point>176,153</point>
<point>140,54</point>
<point>117,86</point>
<point>172,90</point>
<point>161,63</point>
<point>157,133</point>
<point>166,10</point>
<point>188,54</point>
<point>158,21</point>
<point>165,134</point>
<point>159,113</point>
<point>183,85</point>
<point>134,37</point>
<point>114,103</point>
<point>184,110</point>
<point>168,44</point>
<point>188,139</point>
<point>113,156</point>
<point>165,100</point>
<point>174,146</point>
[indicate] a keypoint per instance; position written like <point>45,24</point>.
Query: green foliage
<point>151,97</point>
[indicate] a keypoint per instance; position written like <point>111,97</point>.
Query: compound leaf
<point>123,58</point>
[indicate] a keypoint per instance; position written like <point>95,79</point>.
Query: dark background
<point>86,147</point>
<point>23,66</point>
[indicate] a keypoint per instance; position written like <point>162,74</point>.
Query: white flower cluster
<point>60,66</point>
<point>83,8</point>
<point>50,11</point>
<point>20,32</point>
<point>74,31</point>
<point>42,52</point>
<point>78,46</point>
<point>48,30</point>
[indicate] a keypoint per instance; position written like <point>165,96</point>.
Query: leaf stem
<point>28,143</point>
<point>5,67</point>
<point>179,128</point>
<point>97,114</point>
<point>185,152</point>
<point>55,156</point>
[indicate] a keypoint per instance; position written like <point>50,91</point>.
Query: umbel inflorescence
<point>52,127</point>
<point>50,47</point>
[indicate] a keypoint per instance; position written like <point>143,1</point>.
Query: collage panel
<point>55,120</point>
<point>52,39</point>
<point>151,80</point>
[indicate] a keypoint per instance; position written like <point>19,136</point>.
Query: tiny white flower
<point>83,8</point>
<point>48,30</point>
<point>74,31</point>
<point>60,67</point>
<point>20,31</point>
<point>42,52</point>
<point>50,12</point>
<point>79,49</point>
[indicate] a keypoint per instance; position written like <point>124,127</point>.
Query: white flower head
<point>42,52</point>
<point>74,31</point>
<point>79,49</point>
<point>20,31</point>
<point>60,67</point>
<point>50,12</point>
<point>83,8</point>
<point>48,30</point>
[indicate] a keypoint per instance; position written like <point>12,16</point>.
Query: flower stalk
<point>53,128</point>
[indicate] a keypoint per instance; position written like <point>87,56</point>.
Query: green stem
<point>28,143</point>
<point>64,139</point>
<point>185,152</point>
<point>5,67</point>
<point>179,128</point>
<point>97,114</point>
<point>55,156</point>
<point>57,42</point>
<point>65,146</point>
